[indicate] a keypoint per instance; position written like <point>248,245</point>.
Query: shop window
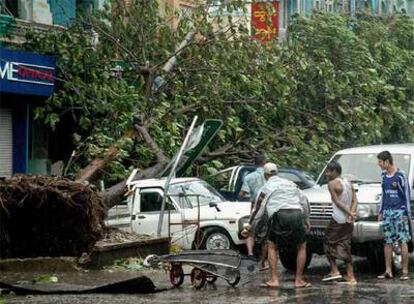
<point>9,7</point>
<point>39,162</point>
<point>329,7</point>
<point>339,7</point>
<point>40,140</point>
<point>384,9</point>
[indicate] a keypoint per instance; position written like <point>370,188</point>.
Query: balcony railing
<point>13,30</point>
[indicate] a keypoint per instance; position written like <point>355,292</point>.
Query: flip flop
<point>385,275</point>
<point>404,277</point>
<point>331,277</point>
<point>267,285</point>
<point>305,285</point>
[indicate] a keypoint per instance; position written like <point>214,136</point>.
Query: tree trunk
<point>94,169</point>
<point>115,194</point>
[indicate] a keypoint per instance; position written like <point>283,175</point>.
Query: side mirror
<point>215,205</point>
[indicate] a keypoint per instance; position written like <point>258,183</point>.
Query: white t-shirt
<point>284,194</point>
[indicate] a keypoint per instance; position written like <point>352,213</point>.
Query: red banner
<point>265,20</point>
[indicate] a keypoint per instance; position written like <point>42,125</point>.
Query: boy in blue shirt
<point>394,213</point>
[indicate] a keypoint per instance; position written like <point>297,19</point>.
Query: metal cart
<point>208,265</point>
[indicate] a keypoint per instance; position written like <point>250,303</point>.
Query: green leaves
<point>336,82</point>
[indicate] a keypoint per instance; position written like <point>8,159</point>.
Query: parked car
<point>219,225</point>
<point>229,181</point>
<point>360,166</point>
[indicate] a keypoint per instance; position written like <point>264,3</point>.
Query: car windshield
<point>309,177</point>
<point>191,190</point>
<point>363,168</point>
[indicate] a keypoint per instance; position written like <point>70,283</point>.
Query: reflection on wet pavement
<point>369,290</point>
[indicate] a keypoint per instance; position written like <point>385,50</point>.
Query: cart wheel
<point>176,275</point>
<point>234,277</point>
<point>198,278</point>
<point>211,278</point>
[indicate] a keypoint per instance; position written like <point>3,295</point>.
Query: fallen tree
<point>48,216</point>
<point>334,83</point>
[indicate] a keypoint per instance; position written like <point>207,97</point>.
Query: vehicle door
<point>223,181</point>
<point>147,212</point>
<point>238,179</point>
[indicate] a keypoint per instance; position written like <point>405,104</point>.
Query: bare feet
<point>350,280</point>
<point>262,266</point>
<point>270,284</point>
<point>302,284</point>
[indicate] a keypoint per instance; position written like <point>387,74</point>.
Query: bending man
<point>286,227</point>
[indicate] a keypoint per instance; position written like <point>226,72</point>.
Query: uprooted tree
<point>334,82</point>
<point>46,216</point>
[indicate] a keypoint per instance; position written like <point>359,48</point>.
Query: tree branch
<point>161,158</point>
<point>94,168</point>
<point>140,69</point>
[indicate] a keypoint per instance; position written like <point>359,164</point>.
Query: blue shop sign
<point>26,73</point>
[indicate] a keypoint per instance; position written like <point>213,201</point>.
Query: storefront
<point>26,80</point>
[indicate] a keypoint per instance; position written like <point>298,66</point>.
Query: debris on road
<point>45,278</point>
<point>116,236</point>
<point>129,264</point>
<point>141,284</point>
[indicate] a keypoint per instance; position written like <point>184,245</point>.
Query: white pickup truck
<point>219,224</point>
<point>360,166</point>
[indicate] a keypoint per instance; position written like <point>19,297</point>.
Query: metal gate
<point>6,142</point>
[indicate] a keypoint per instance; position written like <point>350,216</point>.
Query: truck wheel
<point>215,238</point>
<point>376,259</point>
<point>288,258</point>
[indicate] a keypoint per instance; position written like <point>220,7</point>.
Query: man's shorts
<point>395,227</point>
<point>287,227</point>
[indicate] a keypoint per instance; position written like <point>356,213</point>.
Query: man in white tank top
<point>339,231</point>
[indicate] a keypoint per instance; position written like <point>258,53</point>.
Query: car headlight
<point>244,220</point>
<point>366,211</point>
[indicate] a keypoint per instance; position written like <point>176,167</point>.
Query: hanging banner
<point>265,20</point>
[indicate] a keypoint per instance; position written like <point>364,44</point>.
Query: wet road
<point>368,290</point>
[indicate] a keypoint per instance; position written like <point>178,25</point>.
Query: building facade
<point>353,7</point>
<point>26,80</point>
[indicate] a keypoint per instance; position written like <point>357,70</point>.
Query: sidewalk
<point>65,275</point>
